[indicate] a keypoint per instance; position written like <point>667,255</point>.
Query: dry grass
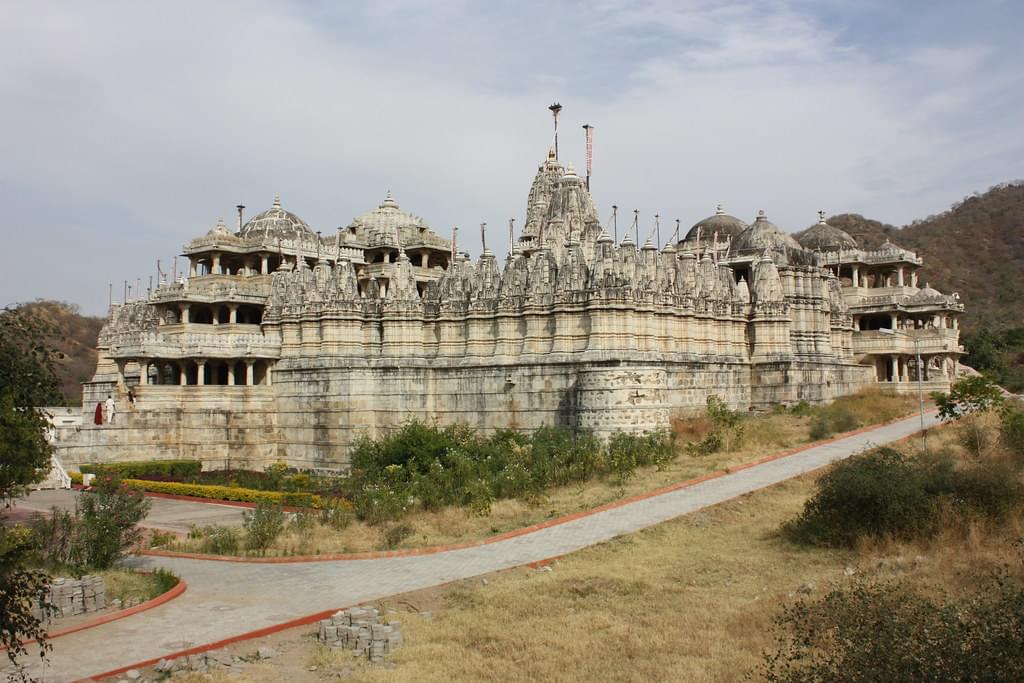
<point>124,584</point>
<point>764,434</point>
<point>689,600</point>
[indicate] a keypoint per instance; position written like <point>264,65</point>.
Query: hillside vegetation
<point>73,337</point>
<point>976,248</point>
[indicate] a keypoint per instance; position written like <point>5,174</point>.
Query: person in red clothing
<point>98,418</point>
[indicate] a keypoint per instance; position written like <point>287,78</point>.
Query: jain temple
<point>282,344</point>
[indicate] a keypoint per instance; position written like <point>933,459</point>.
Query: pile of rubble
<point>360,629</point>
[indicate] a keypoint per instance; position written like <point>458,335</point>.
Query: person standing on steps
<point>111,408</point>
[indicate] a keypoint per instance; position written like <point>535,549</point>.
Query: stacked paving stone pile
<point>75,596</point>
<point>360,629</point>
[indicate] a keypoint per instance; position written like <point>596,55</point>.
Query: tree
<point>27,362</point>
<point>967,398</point>
<point>27,380</point>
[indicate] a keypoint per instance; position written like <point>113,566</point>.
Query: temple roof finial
<point>719,211</point>
<point>821,217</point>
<point>277,201</point>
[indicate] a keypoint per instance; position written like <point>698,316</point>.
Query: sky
<point>130,127</point>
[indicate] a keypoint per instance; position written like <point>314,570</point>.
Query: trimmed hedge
<point>143,468</point>
<point>232,493</point>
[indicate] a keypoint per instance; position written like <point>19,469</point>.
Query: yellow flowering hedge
<point>233,493</point>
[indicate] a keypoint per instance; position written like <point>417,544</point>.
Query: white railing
<point>56,468</point>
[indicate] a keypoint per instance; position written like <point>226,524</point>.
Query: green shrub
<point>395,534</point>
<point>145,468</point>
<point>992,489</point>
<point>337,514</point>
<point>1011,430</point>
<point>879,493</point>
<point>832,419</point>
<point>292,499</point>
<point>98,533</point>
<point>894,632</point>
<point>159,539</point>
<point>262,526</point>
<point>727,430</point>
<point>222,540</point>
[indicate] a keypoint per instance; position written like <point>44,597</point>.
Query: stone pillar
<point>913,279</point>
<point>264,264</point>
<point>856,276</point>
<point>248,373</point>
<point>232,313</point>
<point>231,374</point>
<point>215,269</point>
<point>184,313</point>
<point>268,382</point>
<point>899,276</point>
<point>201,372</point>
<point>215,316</point>
<point>143,373</point>
<point>895,367</point>
<point>192,266</point>
<point>424,258</point>
<point>894,320</point>
<point>956,323</point>
<point>906,371</point>
<point>183,376</point>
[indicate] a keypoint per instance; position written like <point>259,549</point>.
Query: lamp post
<point>920,389</point>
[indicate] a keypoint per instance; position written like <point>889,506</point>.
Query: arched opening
<point>223,314</point>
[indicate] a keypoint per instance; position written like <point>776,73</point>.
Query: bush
<point>992,489</point>
<point>966,400</point>
<point>145,468</point>
<point>262,526</point>
<point>337,514</point>
<point>892,632</point>
<point>879,493</point>
<point>222,540</point>
<point>831,420</point>
<point>98,533</point>
<point>727,429</point>
<point>395,534</point>
<point>1011,430</point>
<point>292,499</point>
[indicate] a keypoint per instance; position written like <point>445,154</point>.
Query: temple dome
<point>379,225</point>
<point>220,230</point>
<point>275,222</point>
<point>721,222</point>
<point>824,237</point>
<point>763,234</point>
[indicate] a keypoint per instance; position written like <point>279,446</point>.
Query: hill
<point>74,337</point>
<point>976,248</point>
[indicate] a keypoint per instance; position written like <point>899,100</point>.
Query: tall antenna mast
<point>556,108</point>
<point>615,222</point>
<point>590,151</point>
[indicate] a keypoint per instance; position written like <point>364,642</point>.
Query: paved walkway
<point>227,599</point>
<point>165,513</point>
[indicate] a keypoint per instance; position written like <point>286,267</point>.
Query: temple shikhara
<point>280,343</point>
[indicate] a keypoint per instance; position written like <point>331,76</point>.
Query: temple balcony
<point>930,341</point>
<point>191,344</point>
<point>253,289</point>
<point>848,257</point>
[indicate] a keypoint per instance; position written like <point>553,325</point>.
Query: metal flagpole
<point>615,223</point>
<point>590,151</point>
<point>511,235</point>
<point>483,236</point>
<point>556,108</point>
<point>636,225</point>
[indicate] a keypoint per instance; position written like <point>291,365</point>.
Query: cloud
<point>134,126</point>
